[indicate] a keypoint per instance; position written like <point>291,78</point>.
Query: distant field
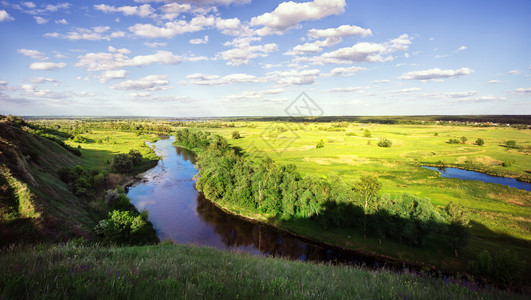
<point>496,210</point>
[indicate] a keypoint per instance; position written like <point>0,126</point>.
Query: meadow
<point>500,216</point>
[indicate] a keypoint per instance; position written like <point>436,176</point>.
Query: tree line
<point>226,174</point>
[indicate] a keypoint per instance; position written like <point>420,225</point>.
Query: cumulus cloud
<point>381,81</point>
<point>155,44</point>
<point>289,14</point>
<point>199,41</point>
<point>346,71</point>
<point>331,36</point>
<point>362,52</point>
<point>170,29</point>
<point>62,21</point>
<point>232,27</point>
<point>143,11</point>
<point>148,83</point>
<point>40,20</point>
<point>112,74</point>
<point>173,10</point>
<point>202,79</point>
<point>109,61</point>
<point>33,54</point>
<point>294,77</point>
<point>30,91</point>
<point>435,74</point>
<point>90,34</point>
<point>242,51</point>
<point>46,66</point>
<point>522,91</point>
<point>4,16</point>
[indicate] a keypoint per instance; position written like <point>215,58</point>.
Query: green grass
<point>180,271</point>
<point>501,216</point>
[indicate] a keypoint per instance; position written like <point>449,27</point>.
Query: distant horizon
<point>207,58</point>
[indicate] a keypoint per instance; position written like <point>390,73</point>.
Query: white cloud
<point>450,95</point>
<point>347,89</point>
<point>294,77</point>
<point>149,97</point>
<point>29,90</point>
<point>290,14</point>
<point>202,79</point>
<point>173,10</point>
<point>33,54</point>
<point>339,32</point>
<point>114,50</point>
<point>461,49</point>
<point>522,91</point>
<point>404,91</point>
<point>40,20</point>
<point>173,28</point>
<point>148,83</point>
<point>199,41</point>
<point>514,72</point>
<point>28,4</point>
<point>143,11</point>
<point>262,96</point>
<point>381,81</point>
<point>346,71</point>
<point>41,80</point>
<point>361,52</point>
<point>155,45</point>
<point>108,61</point>
<point>480,99</point>
<point>62,21</point>
<point>232,27</point>
<point>243,52</point>
<point>90,34</point>
<point>46,66</point>
<point>493,81</point>
<point>112,74</point>
<point>4,16</point>
<point>435,74</point>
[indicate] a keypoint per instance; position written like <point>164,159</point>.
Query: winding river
<point>180,213</point>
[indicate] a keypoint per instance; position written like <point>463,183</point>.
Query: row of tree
<point>280,190</point>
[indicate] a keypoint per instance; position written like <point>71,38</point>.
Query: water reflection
<point>180,213</point>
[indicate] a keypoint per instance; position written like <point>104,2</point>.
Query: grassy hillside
<point>180,271</point>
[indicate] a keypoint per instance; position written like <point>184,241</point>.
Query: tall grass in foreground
<point>170,271</point>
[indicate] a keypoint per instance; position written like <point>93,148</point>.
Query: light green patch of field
<point>499,213</point>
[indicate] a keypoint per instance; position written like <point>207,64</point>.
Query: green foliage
<point>508,163</point>
<point>511,144</point>
<point>124,227</point>
<point>385,143</point>
<point>121,163</point>
<point>351,134</point>
<point>367,133</point>
<point>236,135</point>
<point>136,156</point>
<point>480,142</point>
<point>504,268</point>
<point>463,139</point>
<point>320,144</point>
<point>436,134</point>
<point>82,182</point>
<point>453,141</point>
<point>458,226</point>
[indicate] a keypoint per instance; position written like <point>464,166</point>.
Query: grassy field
<point>501,216</point>
<point>179,271</point>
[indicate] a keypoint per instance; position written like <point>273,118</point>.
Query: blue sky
<point>253,58</point>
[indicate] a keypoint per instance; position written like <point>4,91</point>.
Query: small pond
<point>471,175</point>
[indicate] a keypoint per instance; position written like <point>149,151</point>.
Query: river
<point>180,213</point>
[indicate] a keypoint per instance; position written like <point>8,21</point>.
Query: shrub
<point>135,155</point>
<point>351,134</point>
<point>436,134</point>
<point>480,142</point>
<point>320,144</point>
<point>124,227</point>
<point>510,144</point>
<point>367,133</point>
<point>504,268</point>
<point>121,163</point>
<point>508,163</point>
<point>453,141</point>
<point>385,143</point>
<point>236,135</point>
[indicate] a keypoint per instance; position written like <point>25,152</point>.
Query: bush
<point>504,268</point>
<point>463,139</point>
<point>121,163</point>
<point>236,135</point>
<point>510,144</point>
<point>367,133</point>
<point>124,227</point>
<point>385,143</point>
<point>320,144</point>
<point>453,141</point>
<point>480,142</point>
<point>135,155</point>
<point>351,134</point>
<point>508,163</point>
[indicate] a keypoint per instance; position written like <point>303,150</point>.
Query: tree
<point>121,163</point>
<point>136,156</point>
<point>480,142</point>
<point>368,188</point>
<point>236,135</point>
<point>320,144</point>
<point>458,219</point>
<point>367,133</point>
<point>463,139</point>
